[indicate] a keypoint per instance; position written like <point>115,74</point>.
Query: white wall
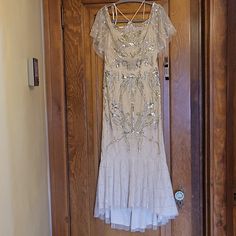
<point>24,207</point>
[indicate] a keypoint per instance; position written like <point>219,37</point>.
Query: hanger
<point>130,1</point>
<point>143,2</point>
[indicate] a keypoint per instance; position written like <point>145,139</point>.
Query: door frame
<point>209,17</point>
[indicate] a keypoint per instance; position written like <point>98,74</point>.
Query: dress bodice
<point>135,44</point>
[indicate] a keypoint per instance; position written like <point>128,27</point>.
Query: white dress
<point>134,190</point>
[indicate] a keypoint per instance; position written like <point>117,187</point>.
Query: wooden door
<point>83,78</point>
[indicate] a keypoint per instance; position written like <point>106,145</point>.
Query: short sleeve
<point>99,33</point>
<point>165,29</point>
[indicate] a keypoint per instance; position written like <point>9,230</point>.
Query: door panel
<point>84,76</point>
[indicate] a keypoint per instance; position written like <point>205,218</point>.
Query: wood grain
<point>181,113</point>
<point>234,221</point>
<point>197,115</point>
<point>83,77</point>
<point>77,124</point>
<point>56,117</point>
<point>231,117</point>
<point>84,106</point>
<point>216,117</point>
<point>215,123</point>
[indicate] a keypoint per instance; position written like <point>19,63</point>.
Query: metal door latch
<point>179,197</point>
<point>166,68</point>
<point>234,196</point>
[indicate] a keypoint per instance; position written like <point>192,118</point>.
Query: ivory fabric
<point>134,190</point>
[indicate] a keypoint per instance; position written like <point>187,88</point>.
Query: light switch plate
<point>33,72</point>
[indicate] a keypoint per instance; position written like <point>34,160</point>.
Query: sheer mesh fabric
<point>134,190</point>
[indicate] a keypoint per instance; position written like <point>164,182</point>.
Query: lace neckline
<point>136,25</point>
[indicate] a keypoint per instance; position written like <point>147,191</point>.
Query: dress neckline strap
<point>113,25</point>
<point>115,14</point>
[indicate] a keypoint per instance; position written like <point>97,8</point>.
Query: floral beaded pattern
<point>132,102</point>
<point>133,118</point>
<point>134,190</point>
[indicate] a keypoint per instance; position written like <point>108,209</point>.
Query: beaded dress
<point>134,190</point>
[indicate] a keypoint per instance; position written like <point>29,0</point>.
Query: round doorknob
<point>179,198</point>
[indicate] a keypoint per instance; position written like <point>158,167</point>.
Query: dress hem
<point>161,220</point>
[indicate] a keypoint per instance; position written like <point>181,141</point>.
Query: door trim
<point>214,108</point>
<point>215,58</point>
<point>56,115</point>
<point>231,122</point>
<point>196,116</point>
